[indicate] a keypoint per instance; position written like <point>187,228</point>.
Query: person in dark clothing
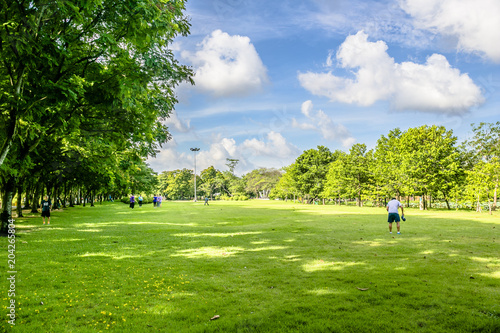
<point>46,209</point>
<point>132,201</point>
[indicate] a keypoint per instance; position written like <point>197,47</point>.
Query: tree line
<point>425,162</point>
<point>216,184</point>
<point>84,89</point>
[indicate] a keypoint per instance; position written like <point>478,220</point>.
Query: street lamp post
<point>194,150</point>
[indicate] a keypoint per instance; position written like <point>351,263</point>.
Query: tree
<point>261,181</point>
<point>431,160</point>
<point>286,186</point>
<point>177,184</point>
<point>391,178</point>
<point>357,173</point>
<point>208,181</point>
<point>485,147</point>
<point>66,64</point>
<point>336,181</point>
<point>309,171</point>
<point>61,57</point>
<point>482,182</point>
<point>350,175</point>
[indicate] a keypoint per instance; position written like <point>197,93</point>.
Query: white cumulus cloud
<point>431,87</point>
<point>320,122</point>
<point>273,151</point>
<point>474,23</point>
<point>227,65</point>
<point>275,146</point>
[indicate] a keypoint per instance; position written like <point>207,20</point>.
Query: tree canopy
<point>87,79</point>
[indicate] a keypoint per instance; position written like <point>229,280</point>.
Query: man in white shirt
<point>392,208</point>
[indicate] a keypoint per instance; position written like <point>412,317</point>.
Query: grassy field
<point>261,266</point>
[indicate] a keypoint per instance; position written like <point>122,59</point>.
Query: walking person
<point>158,200</point>
<point>393,210</point>
<point>132,201</point>
<point>140,200</point>
<point>46,209</point>
<point>206,202</point>
<point>155,199</point>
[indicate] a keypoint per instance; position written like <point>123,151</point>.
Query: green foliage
<point>309,170</point>
<point>261,181</point>
<point>286,186</point>
<point>208,179</point>
<point>92,82</point>
<point>176,185</point>
<point>483,178</point>
<point>233,198</point>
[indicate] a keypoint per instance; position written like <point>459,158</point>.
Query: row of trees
<point>179,184</point>
<point>425,161</point>
<point>84,88</point>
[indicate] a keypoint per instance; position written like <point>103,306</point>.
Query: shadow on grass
<point>279,268</point>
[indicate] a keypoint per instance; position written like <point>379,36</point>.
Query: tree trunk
<point>27,200</point>
<point>36,199</point>
<point>7,197</point>
<point>19,205</point>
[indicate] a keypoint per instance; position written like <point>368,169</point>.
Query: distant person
<point>393,210</point>
<point>155,200</point>
<point>158,201</point>
<point>206,202</point>
<point>46,209</point>
<point>132,201</point>
<point>140,200</point>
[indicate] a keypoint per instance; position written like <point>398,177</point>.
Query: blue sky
<point>275,78</point>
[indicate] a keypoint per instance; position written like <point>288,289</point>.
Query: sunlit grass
<point>262,266</point>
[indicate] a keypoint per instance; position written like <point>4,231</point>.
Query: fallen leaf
<point>362,289</point>
<point>215,317</point>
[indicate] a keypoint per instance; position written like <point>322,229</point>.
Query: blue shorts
<point>393,217</point>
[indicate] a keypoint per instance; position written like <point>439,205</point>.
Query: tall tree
<point>107,60</point>
<point>286,187</point>
<point>261,181</point>
<point>209,180</point>
<point>485,147</point>
<point>309,170</point>
<point>431,160</point>
<point>391,178</point>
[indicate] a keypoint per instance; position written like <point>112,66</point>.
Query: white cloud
<point>432,87</point>
<point>173,121</point>
<point>272,151</point>
<point>307,108</point>
<point>320,122</point>
<point>227,65</point>
<point>474,23</point>
<point>276,146</point>
<point>169,158</point>
<point>303,126</point>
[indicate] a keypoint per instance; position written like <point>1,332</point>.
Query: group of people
<point>157,199</point>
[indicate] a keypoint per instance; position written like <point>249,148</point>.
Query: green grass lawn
<point>261,266</point>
